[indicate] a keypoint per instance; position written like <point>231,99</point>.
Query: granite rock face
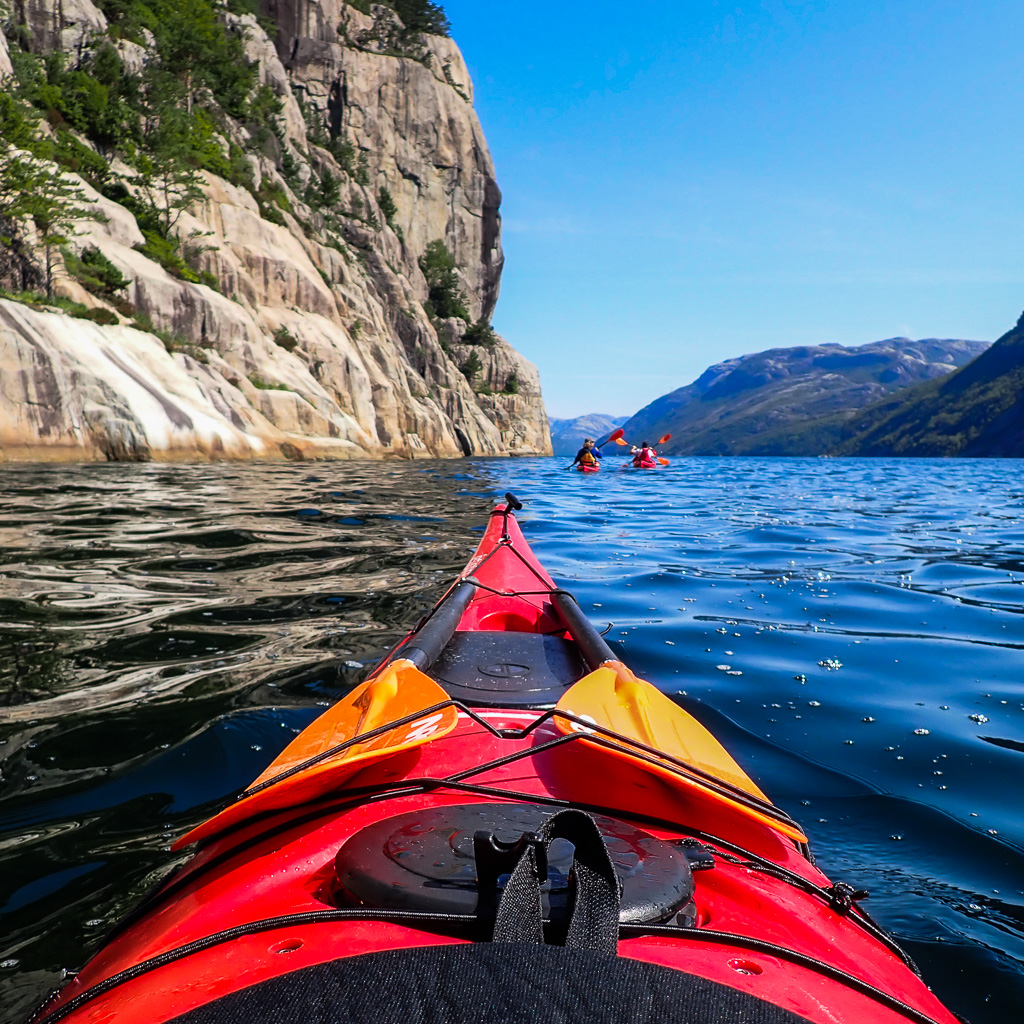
<point>313,340</point>
<point>6,69</point>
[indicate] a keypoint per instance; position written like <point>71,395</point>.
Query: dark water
<point>852,630</point>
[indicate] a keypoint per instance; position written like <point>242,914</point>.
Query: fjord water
<point>851,629</point>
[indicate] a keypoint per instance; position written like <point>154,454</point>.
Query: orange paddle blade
<point>616,435</point>
<point>667,437</point>
<point>307,769</point>
<point>625,444</point>
<point>612,697</point>
<point>664,462</point>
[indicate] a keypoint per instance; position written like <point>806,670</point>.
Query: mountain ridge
<point>978,411</point>
<point>792,401</point>
<point>567,434</point>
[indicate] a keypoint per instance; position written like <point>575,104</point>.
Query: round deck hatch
<point>424,860</point>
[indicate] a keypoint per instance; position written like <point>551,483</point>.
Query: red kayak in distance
<point>503,823</point>
<point>588,469</point>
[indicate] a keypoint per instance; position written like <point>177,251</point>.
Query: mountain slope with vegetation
<point>977,411</point>
<point>238,230</point>
<point>792,401</point>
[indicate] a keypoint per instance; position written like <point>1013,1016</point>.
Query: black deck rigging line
<point>588,731</point>
<point>504,541</point>
<point>783,953</point>
<point>593,731</point>
<point>456,781</point>
<point>515,593</point>
<point>413,918</point>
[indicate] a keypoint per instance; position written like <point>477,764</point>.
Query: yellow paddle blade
<point>625,444</point>
<point>615,699</point>
<point>399,692</point>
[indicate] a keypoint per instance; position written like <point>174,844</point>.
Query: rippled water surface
<point>852,630</point>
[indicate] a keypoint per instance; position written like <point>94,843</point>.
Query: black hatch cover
<point>424,860</point>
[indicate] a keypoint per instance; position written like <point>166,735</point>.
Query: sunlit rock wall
<point>363,372</point>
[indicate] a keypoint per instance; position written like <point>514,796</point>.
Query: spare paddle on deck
<point>682,750</point>
<point>324,755</point>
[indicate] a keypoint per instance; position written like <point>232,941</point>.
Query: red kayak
<point>588,469</point>
<point>503,823</point>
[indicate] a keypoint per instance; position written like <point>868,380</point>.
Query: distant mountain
<point>977,411</point>
<point>792,401</point>
<point>568,435</point>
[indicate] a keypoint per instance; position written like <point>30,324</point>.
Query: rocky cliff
<point>297,301</point>
<point>977,411</point>
<point>792,401</point>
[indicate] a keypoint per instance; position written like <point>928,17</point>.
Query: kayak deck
<point>364,836</point>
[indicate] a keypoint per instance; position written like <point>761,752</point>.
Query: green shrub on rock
<point>472,366</point>
<point>387,205</point>
<point>445,298</point>
<point>421,16</point>
<point>480,333</point>
<point>95,272</point>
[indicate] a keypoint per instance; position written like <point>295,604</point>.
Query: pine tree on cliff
<point>445,298</point>
<point>422,16</point>
<point>34,194</point>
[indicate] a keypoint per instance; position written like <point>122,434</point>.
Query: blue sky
<point>691,180</point>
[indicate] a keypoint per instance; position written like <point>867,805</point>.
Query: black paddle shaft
<point>590,642</point>
<point>430,639</point>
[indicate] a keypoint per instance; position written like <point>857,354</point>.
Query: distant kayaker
<point>644,457</point>
<point>588,455</point>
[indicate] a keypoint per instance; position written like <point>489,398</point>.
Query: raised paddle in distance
<point>613,436</point>
<point>625,444</point>
<point>663,440</point>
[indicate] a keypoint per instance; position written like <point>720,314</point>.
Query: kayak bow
<point>502,822</point>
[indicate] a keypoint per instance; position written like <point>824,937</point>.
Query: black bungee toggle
<point>842,896</point>
<point>698,856</point>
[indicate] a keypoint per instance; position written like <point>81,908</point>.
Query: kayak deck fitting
<point>502,823</point>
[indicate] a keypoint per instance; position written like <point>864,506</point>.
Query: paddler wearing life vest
<point>644,457</point>
<point>588,455</point>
